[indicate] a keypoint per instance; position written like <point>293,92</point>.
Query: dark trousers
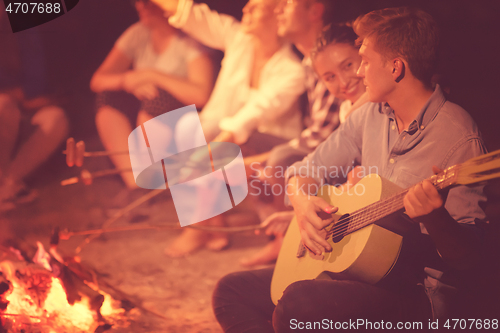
<point>242,303</point>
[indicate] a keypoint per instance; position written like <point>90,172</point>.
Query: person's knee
<point>106,114</point>
<point>291,304</point>
<point>225,288</point>
<point>51,120</point>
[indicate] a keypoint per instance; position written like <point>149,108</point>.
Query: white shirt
<point>234,106</point>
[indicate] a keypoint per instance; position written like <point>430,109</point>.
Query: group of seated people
<point>372,103</point>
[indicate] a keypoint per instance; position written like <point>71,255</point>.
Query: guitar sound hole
<point>339,228</point>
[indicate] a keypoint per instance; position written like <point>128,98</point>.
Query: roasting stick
<point>119,214</point>
<point>75,152</point>
<point>67,234</point>
<point>87,177</point>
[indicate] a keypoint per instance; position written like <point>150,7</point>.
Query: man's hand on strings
<point>423,198</point>
<point>311,225</point>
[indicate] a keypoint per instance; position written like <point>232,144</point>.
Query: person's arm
<point>169,6</point>
<point>304,178</point>
<point>207,26</point>
<point>455,242</point>
<point>195,89</point>
<point>272,101</point>
<point>112,73</point>
<point>451,221</point>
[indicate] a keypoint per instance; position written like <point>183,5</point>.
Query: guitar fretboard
<point>380,209</point>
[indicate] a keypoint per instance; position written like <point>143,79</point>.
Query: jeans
<point>242,303</point>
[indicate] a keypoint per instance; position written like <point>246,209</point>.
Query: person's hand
<point>423,198</point>
<point>146,91</point>
<point>169,6</point>
<point>136,78</point>
<point>491,206</point>
<point>250,167</point>
<point>276,224</point>
<point>307,211</point>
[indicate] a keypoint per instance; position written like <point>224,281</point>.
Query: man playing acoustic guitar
<point>407,132</point>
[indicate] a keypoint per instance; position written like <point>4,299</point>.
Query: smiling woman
<point>336,60</point>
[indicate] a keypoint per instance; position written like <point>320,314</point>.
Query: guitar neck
<point>475,170</point>
<point>380,209</point>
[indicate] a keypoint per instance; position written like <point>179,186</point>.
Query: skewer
<point>75,152</point>
<point>65,234</point>
<point>87,177</point>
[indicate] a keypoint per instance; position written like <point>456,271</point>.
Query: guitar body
<point>365,255</point>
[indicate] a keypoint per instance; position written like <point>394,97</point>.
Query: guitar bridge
<point>301,251</point>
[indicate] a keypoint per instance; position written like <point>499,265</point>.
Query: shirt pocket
<point>406,179</point>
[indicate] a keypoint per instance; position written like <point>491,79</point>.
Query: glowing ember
<point>51,314</point>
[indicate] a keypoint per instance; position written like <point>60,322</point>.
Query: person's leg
<point>52,128</point>
<point>116,111</point>
<point>187,135</point>
<point>10,117</point>
<point>114,128</point>
<point>191,239</point>
<point>344,300</point>
<point>242,302</point>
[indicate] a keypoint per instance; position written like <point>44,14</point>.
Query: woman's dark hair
<point>335,33</point>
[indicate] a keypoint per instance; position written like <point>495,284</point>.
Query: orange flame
<point>56,314</point>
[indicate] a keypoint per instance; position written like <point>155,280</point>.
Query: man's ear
<point>398,69</point>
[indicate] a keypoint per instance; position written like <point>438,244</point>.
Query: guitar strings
<point>356,220</point>
<point>380,209</point>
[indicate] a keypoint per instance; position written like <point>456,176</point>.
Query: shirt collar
<point>431,108</point>
<point>426,114</point>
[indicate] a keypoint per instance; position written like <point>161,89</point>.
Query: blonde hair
<point>404,32</point>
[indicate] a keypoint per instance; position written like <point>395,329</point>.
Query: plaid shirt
<point>323,117</point>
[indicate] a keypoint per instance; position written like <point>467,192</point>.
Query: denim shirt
<point>443,134</point>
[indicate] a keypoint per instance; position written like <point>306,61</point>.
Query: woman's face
<point>337,66</point>
<point>259,18</point>
<point>149,13</point>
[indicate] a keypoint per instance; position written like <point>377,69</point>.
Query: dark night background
<point>76,44</point>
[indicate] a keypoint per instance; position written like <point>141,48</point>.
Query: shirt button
<point>391,161</point>
<point>422,127</point>
<point>393,127</point>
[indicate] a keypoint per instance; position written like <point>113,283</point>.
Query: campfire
<point>49,295</point>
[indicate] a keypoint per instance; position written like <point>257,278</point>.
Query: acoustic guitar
<point>362,249</point>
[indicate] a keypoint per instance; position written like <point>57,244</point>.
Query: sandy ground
<point>178,290</point>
